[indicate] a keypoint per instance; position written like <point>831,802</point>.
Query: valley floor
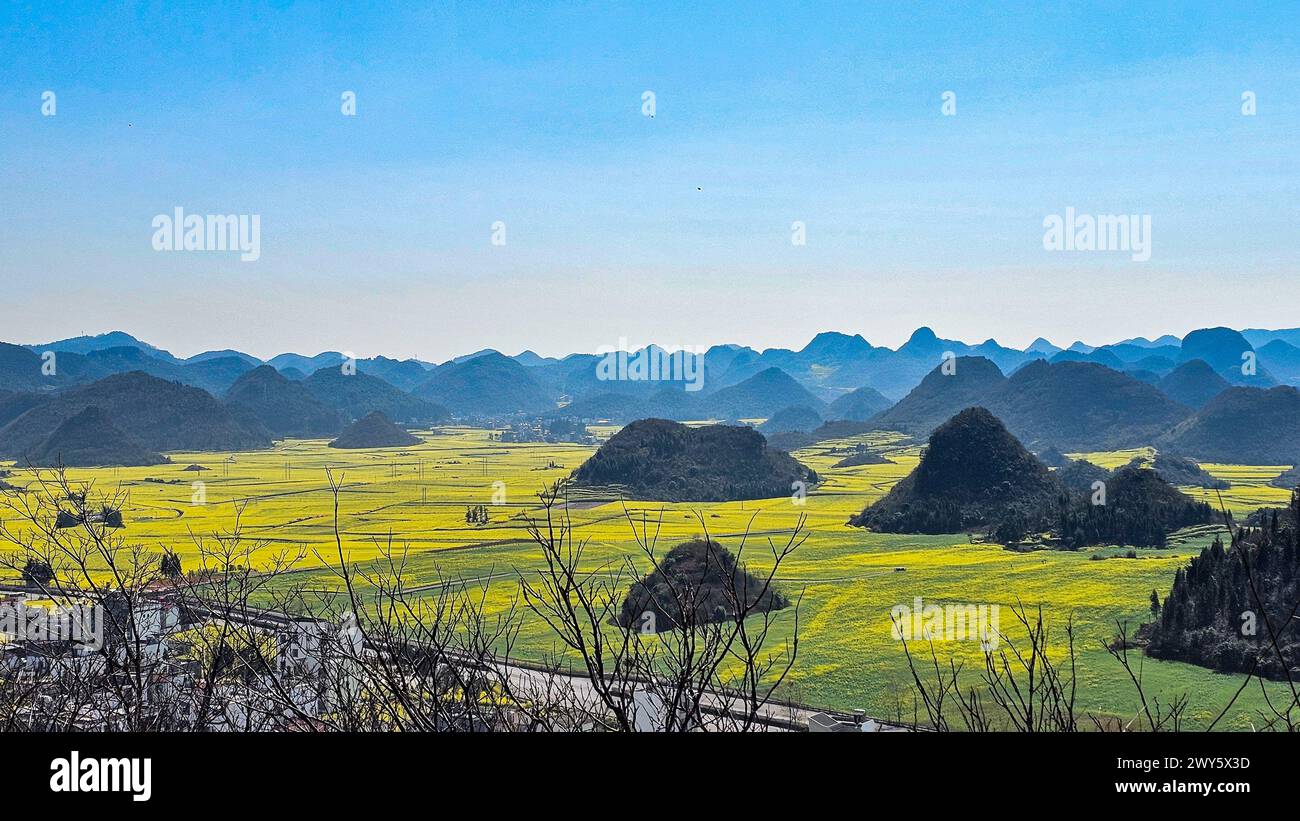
<point>847,580</point>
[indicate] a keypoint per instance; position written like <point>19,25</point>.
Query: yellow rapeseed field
<point>846,580</point>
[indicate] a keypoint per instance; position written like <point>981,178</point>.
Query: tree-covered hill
<point>799,418</point>
<point>1139,508</point>
<point>859,405</point>
<point>264,396</point>
<point>1252,426</point>
<point>90,439</point>
<point>697,582</point>
<point>1193,383</point>
<point>356,394</point>
<point>666,461</point>
<point>973,475</point>
<point>1227,607</point>
<point>160,415</point>
<point>374,430</point>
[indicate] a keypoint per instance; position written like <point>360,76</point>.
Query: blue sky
<point>376,228</point>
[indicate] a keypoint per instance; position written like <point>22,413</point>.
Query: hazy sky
<point>376,229</point>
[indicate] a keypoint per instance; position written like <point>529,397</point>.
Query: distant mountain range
<point>1134,392</point>
<point>830,365</point>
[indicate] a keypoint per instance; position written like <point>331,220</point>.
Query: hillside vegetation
<point>974,475</point>
<point>356,394</point>
<point>90,438</point>
<point>663,460</point>
<point>1226,606</point>
<point>697,582</point>
<point>1251,426</point>
<point>264,397</point>
<point>374,430</point>
<point>159,415</point>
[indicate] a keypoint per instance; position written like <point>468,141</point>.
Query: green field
<point>849,579</point>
